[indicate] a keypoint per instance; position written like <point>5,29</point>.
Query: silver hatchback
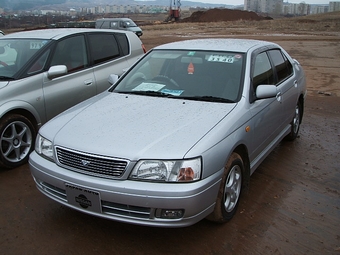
<point>177,137</point>
<point>44,72</point>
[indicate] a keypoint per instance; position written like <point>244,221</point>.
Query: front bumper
<point>124,200</point>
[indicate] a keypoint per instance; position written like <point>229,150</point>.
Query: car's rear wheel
<point>295,124</point>
<point>230,190</point>
<point>17,135</point>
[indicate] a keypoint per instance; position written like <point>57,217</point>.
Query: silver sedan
<point>177,137</point>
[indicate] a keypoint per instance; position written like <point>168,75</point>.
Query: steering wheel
<point>135,80</point>
<point>166,80</point>
<point>3,63</point>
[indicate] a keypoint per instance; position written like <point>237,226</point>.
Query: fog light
<point>171,214</point>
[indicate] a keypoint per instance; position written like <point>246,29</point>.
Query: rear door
<point>107,57</point>
<point>286,83</point>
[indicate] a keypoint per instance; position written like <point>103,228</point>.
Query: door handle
<point>279,97</point>
<point>295,83</point>
<point>88,82</point>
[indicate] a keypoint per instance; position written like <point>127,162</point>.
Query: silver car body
<point>38,81</point>
<point>132,128</point>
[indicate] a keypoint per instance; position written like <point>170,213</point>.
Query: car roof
<point>216,44</point>
<point>55,33</point>
<point>113,19</point>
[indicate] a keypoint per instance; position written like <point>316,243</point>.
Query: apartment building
<point>334,6</point>
<point>264,6</point>
<point>286,8</point>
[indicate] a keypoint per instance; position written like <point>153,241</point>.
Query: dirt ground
<point>293,202</point>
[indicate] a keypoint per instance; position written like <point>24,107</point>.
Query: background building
<point>264,6</point>
<point>334,6</point>
<point>279,7</point>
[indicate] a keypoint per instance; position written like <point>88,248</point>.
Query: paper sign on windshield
<point>145,86</point>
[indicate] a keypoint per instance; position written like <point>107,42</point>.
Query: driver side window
<point>71,52</point>
<point>39,64</point>
<point>263,72</point>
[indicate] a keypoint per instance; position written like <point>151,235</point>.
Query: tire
<point>295,124</point>
<point>17,136</point>
<point>230,190</point>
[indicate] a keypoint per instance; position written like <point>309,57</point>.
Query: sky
<point>237,2</point>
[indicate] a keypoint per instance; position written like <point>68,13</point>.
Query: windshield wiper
<point>162,94</point>
<point>145,93</point>
<point>209,99</point>
<point>6,78</point>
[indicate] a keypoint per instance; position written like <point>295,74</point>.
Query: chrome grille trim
<point>125,210</point>
<point>54,191</point>
<point>91,164</point>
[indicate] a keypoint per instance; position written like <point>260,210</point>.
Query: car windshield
<point>196,75</point>
<point>16,53</point>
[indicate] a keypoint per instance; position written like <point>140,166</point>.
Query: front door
<point>77,85</point>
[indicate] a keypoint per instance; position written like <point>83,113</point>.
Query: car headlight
<point>44,147</point>
<point>167,170</point>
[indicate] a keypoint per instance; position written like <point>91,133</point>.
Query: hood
<point>3,84</point>
<point>133,29</point>
<point>134,127</point>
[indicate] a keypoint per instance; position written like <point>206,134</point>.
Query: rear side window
<point>282,65</point>
<point>102,24</point>
<point>124,43</point>
<point>263,72</point>
<point>104,47</point>
<point>114,24</point>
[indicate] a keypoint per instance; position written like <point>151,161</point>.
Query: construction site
<point>175,14</point>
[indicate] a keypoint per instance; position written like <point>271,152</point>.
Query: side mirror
<point>56,71</point>
<point>266,91</point>
<point>113,78</point>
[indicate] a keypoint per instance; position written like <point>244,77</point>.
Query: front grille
<point>90,164</point>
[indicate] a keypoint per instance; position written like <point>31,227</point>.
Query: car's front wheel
<point>17,135</point>
<point>230,190</point>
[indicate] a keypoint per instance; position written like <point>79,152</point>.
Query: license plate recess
<point>83,198</point>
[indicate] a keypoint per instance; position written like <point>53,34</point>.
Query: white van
<point>119,23</point>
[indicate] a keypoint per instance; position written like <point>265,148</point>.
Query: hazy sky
<point>237,2</point>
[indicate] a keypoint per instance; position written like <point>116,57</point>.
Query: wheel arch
<point>243,152</point>
<point>301,101</point>
<point>26,113</point>
<point>15,149</point>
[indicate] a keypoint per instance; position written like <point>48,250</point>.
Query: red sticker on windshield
<point>191,68</point>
